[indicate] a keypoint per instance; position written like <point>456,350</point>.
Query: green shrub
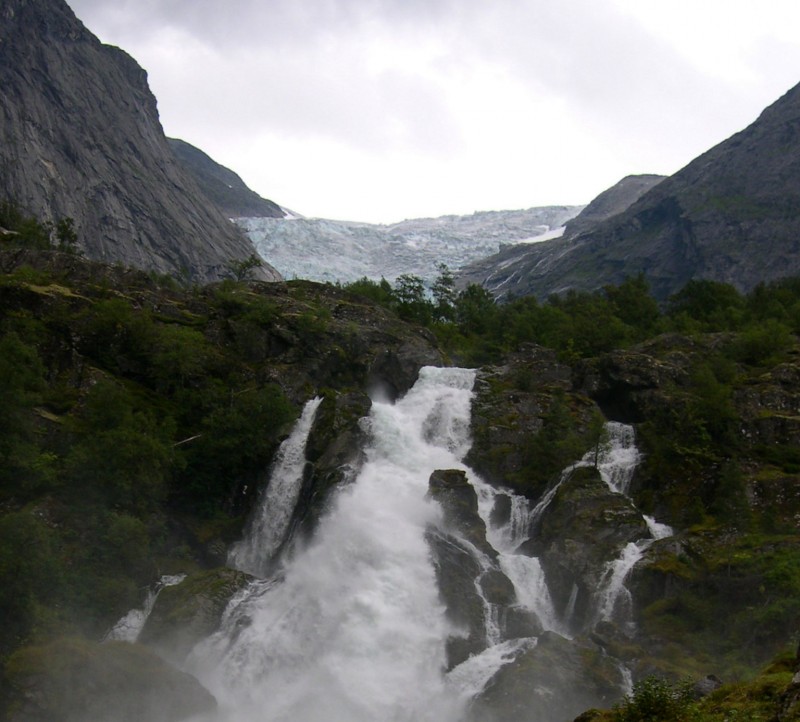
<point>656,700</point>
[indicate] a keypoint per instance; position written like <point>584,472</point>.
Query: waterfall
<point>354,630</point>
<point>613,592</point>
<point>527,575</point>
<point>618,459</point>
<point>617,464</point>
<point>525,572</point>
<point>269,525</point>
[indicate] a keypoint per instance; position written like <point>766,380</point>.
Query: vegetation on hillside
<point>138,416</point>
<point>581,324</point>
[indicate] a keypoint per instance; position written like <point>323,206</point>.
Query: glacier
<point>324,250</point>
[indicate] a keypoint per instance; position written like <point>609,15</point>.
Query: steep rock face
<point>731,215</point>
<point>224,187</point>
<point>80,137</point>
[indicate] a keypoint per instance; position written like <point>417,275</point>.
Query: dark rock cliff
<point>731,215</point>
<point>80,137</point>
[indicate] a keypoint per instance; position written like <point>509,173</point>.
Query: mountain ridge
<point>731,215</point>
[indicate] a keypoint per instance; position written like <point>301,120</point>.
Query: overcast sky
<point>379,110</point>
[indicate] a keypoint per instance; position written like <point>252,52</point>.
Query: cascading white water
<point>618,459</point>
<point>355,630</point>
<point>270,523</point>
<point>525,572</point>
<point>617,464</point>
<point>527,575</point>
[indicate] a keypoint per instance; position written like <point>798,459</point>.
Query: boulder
<point>190,611</point>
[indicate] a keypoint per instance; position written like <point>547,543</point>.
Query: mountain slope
<point>731,215</point>
<point>80,137</point>
<point>222,185</point>
<point>506,271</point>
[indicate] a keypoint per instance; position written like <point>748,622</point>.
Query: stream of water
<point>355,631</point>
<point>353,628</point>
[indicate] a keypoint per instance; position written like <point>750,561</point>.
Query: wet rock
<point>456,570</point>
<point>334,452</point>
<point>585,527</point>
<point>466,570</point>
<point>459,503</point>
<point>190,611</point>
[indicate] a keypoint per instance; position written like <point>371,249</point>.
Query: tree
<point>66,235</point>
<point>241,269</point>
<point>409,293</point>
<point>475,309</point>
<point>444,294</point>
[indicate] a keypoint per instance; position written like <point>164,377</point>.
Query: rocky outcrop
<point>80,138</point>
<point>190,611</point>
<point>551,682</point>
<point>518,410</point>
<point>730,216</point>
<point>334,452</point>
<point>583,529</point>
<point>70,680</point>
<point>220,184</point>
<point>470,581</point>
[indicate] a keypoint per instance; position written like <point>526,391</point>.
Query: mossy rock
<point>189,612</point>
<point>585,526</point>
<point>72,680</point>
<point>334,451</point>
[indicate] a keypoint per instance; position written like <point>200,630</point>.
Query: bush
<point>656,700</point>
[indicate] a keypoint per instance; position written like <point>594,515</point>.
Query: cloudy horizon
<point>380,110</point>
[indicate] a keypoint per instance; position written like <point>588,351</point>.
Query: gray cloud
<point>448,82</point>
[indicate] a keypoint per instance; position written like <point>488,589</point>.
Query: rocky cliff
<point>224,187</point>
<point>731,215</point>
<point>80,137</point>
